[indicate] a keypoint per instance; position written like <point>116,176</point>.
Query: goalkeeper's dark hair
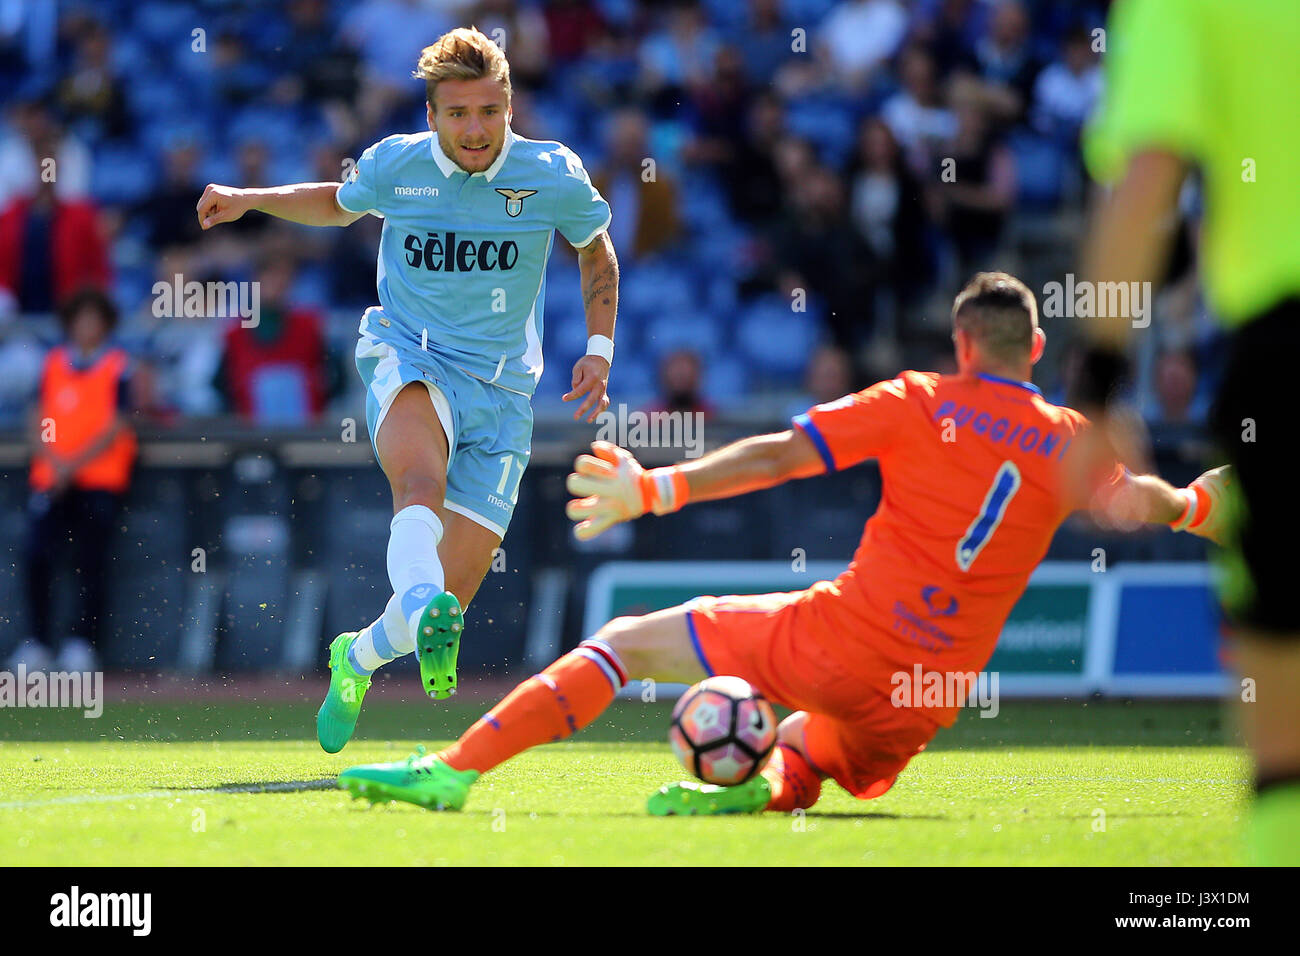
<point>999,312</point>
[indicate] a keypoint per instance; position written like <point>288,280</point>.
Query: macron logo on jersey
<point>415,191</point>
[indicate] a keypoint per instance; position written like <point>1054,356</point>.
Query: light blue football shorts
<point>489,429</point>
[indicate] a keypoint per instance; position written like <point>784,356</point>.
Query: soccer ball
<point>723,731</point>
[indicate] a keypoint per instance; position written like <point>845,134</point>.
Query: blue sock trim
<point>416,598</point>
<point>591,653</point>
<point>352,661</point>
<point>379,637</point>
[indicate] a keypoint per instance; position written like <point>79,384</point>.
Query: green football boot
<point>421,779</point>
<point>437,644</point>
<point>337,717</point>
<point>689,798</point>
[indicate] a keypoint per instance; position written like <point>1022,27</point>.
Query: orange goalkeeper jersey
<point>972,497</point>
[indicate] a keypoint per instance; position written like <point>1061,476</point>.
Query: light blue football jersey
<point>462,258</point>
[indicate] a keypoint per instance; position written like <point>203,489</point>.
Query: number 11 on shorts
<point>506,462</point>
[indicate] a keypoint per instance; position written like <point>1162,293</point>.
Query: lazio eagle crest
<point>515,200</point>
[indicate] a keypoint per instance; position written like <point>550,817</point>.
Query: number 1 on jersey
<point>1005,485</point>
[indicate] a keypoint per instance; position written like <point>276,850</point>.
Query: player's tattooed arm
<point>598,268</point>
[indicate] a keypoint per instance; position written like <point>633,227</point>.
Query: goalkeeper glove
<point>611,486</point>
<point>1205,510</point>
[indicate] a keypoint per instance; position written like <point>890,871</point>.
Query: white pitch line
<point>290,786</point>
<point>278,787</point>
<point>1049,778</point>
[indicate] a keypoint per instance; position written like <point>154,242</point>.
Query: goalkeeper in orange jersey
<point>973,494</point>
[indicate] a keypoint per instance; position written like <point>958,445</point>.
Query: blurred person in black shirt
<point>888,209</point>
<point>974,185</point>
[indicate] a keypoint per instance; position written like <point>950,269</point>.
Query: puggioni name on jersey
<point>1000,430</point>
<point>444,253</point>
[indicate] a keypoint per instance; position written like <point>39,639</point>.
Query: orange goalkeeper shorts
<point>782,644</point>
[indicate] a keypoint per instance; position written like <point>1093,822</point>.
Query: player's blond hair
<point>999,312</point>
<point>462,54</point>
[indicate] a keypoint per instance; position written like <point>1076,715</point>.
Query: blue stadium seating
<point>121,174</point>
<point>1040,170</point>
<point>775,340</point>
<point>634,380</point>
<point>726,379</point>
<point>684,328</point>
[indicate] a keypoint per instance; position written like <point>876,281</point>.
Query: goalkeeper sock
<point>1275,823</point>
<point>794,784</point>
<point>547,707</point>
<point>384,640</point>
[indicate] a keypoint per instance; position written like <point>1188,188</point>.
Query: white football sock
<point>414,569</point>
<point>415,572</point>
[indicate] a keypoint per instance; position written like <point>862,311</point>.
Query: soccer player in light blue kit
<point>453,351</point>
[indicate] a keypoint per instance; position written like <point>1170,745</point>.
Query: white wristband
<point>603,346</point>
<point>1189,512</point>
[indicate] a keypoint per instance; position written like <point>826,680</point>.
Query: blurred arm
<point>97,447</point>
<point>40,449</point>
<point>311,204</point>
<point>1198,509</point>
<point>1152,499</point>
<point>1128,242</point>
<point>1130,238</point>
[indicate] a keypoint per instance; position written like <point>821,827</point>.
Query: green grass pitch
<point>244,784</point>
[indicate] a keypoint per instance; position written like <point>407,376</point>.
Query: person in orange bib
<point>83,451</point>
<point>973,493</point>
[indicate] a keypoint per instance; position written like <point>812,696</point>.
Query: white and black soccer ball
<point>723,731</point>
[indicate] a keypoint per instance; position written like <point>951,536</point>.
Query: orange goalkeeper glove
<point>611,486</point>
<point>1206,508</point>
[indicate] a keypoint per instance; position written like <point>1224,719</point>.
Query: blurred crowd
<point>798,186</point>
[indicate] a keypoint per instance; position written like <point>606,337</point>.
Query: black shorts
<point>1254,427</point>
